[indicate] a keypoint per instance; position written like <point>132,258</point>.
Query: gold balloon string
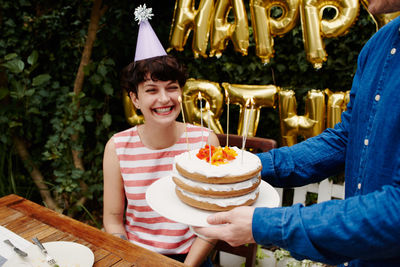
<point>183,117</point>
<point>201,114</point>
<point>247,124</point>
<point>209,129</point>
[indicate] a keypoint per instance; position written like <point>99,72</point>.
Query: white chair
<point>326,190</point>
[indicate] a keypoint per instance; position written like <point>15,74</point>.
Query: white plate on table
<point>162,198</point>
<point>66,254</point>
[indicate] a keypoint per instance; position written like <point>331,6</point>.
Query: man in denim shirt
<point>363,229</point>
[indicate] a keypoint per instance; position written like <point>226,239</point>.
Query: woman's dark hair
<point>164,68</point>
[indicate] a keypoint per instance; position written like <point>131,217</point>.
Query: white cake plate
<point>162,198</point>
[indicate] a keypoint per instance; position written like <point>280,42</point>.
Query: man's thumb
<point>218,218</point>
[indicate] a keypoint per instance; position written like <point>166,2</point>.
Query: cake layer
<point>219,204</point>
<point>245,166</point>
<point>216,190</point>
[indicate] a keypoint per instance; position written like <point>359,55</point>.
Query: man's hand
<point>235,226</point>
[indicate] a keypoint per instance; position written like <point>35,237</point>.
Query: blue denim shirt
<point>363,229</point>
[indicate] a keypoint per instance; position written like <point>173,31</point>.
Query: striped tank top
<point>140,167</point>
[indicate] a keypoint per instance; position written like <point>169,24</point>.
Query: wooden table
<point>29,219</point>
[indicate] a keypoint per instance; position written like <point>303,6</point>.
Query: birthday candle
<point>209,123</point>
<point>201,114</point>
<point>246,119</point>
<point>183,117</point>
<point>247,124</point>
<point>227,120</point>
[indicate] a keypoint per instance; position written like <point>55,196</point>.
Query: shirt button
<point>393,51</point>
<point>359,186</point>
<point>366,142</point>
<point>377,97</point>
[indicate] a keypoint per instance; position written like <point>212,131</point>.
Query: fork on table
<point>50,260</point>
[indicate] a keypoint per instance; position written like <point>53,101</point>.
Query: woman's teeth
<point>163,110</point>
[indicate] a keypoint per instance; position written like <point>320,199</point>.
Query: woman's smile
<point>163,110</point>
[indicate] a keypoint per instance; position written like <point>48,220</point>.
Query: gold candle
<point>227,121</point>
<point>184,122</point>
<point>209,128</point>
<point>247,123</point>
<point>246,120</point>
<point>201,113</point>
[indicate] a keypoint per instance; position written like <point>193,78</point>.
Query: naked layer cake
<point>231,179</point>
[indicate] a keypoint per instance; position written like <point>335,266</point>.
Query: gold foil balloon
<point>222,30</point>
<point>337,103</point>
<point>259,95</point>
<point>380,19</point>
<point>185,19</point>
<point>266,27</point>
<point>211,92</point>
<point>292,125</point>
<point>315,28</point>
<point>130,111</point>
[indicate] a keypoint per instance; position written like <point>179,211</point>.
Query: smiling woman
<point>141,155</point>
<point>154,86</point>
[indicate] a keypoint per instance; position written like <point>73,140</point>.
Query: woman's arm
<point>114,195</point>
<point>213,139</point>
<point>199,251</point>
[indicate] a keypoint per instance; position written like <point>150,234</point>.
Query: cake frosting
<point>245,165</point>
<point>219,187</point>
<point>231,181</point>
<point>223,202</point>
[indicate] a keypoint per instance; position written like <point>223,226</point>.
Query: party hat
<point>147,45</point>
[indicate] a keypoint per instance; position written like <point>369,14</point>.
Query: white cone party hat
<point>147,45</point>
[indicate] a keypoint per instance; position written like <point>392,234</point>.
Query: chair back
<point>253,144</point>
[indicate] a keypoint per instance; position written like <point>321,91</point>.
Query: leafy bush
<point>40,51</point>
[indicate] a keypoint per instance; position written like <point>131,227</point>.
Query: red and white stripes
<point>140,167</point>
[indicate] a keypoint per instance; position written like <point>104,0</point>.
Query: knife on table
<point>19,251</point>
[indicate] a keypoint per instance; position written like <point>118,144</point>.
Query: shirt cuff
<point>267,164</point>
<point>267,226</point>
